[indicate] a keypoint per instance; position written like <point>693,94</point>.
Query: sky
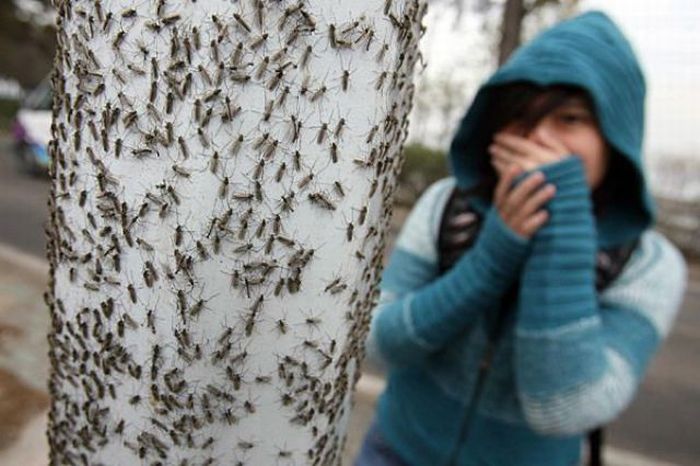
<point>666,38</point>
<point>665,34</point>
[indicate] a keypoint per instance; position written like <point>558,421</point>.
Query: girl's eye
<point>572,117</point>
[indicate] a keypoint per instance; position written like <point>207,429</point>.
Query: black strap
<point>595,447</point>
<point>454,240</point>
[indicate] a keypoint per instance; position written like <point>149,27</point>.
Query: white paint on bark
<point>222,181</point>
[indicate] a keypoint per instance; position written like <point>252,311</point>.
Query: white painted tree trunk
<point>222,175</point>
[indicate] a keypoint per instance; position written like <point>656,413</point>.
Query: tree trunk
<point>513,14</point>
<point>222,180</point>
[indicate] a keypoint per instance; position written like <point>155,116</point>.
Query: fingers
<point>500,167</point>
<point>555,144</point>
<point>520,207</point>
<point>534,223</point>
<point>532,150</point>
<point>534,203</point>
<point>520,145</point>
<point>528,160</point>
<point>503,155</point>
<point>516,198</point>
<point>505,182</point>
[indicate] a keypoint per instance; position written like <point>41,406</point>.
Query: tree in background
<point>512,15</point>
<point>222,180</point>
<point>27,42</point>
<point>516,11</point>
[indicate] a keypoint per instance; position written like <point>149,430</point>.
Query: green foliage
<point>422,166</point>
<point>26,49</point>
<point>8,109</point>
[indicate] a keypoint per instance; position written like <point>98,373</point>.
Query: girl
<point>527,293</point>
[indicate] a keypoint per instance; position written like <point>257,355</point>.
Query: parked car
<point>31,129</point>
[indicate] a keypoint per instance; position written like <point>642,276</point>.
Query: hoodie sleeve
<point>418,312</point>
<point>580,357</point>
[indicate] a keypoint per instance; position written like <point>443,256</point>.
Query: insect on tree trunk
<point>222,178</point>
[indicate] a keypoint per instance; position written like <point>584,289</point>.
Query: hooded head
<point>587,53</point>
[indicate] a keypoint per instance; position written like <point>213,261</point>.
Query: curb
<point>617,457</point>
<point>32,446</point>
<point>29,262</point>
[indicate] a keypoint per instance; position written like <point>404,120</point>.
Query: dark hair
<point>528,103</point>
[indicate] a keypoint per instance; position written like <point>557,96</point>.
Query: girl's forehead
<point>569,100</point>
<point>576,101</point>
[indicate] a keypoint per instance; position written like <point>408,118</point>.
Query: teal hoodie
<point>588,51</point>
<point>569,358</point>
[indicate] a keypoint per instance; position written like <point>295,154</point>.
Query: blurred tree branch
<point>514,13</point>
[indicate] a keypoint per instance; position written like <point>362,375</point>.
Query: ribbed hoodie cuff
<point>559,275</point>
<point>499,251</point>
<point>570,211</point>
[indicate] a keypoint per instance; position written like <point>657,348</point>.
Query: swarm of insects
<point>208,167</point>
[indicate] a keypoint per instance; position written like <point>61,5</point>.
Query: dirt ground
<point>19,403</point>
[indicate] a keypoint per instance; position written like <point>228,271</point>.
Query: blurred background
<point>465,41</point>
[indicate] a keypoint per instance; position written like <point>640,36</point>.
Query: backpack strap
<point>611,261</point>
<point>609,265</point>
<point>459,227</point>
<point>595,447</point>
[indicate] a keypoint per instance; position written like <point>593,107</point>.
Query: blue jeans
<point>376,451</point>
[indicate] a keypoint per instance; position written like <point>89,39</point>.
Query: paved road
<point>661,423</point>
<point>22,205</point>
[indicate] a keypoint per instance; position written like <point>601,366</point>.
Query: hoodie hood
<point>590,52</point>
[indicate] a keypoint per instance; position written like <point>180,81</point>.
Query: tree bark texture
<point>511,25</point>
<point>222,180</point>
